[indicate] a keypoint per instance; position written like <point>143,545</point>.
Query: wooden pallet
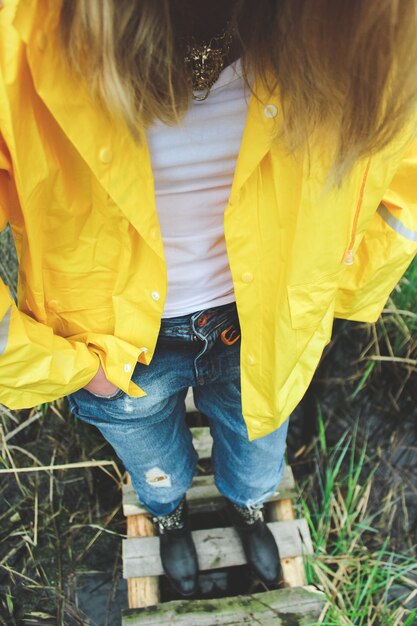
<point>282,607</point>
<point>218,548</point>
<point>203,495</point>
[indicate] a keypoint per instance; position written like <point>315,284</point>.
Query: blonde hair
<point>346,67</point>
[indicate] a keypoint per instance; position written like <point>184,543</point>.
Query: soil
<point>60,533</point>
<point>388,426</point>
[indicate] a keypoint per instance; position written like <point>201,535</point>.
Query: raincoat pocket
<point>114,396</point>
<point>309,302</point>
<point>79,302</point>
<point>78,291</point>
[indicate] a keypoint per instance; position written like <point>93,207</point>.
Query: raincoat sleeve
<point>35,364</point>
<point>386,250</point>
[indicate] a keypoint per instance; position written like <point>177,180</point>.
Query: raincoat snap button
<point>250,359</point>
<point>41,41</point>
<point>154,234</point>
<point>105,155</point>
<point>270,111</point>
<point>247,277</point>
<point>155,296</point>
<point>127,368</point>
<point>52,304</point>
<point>348,258</point>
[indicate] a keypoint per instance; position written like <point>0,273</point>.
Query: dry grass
<point>367,582</point>
<point>60,516</point>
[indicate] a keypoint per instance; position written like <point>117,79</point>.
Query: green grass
<point>405,295</point>
<point>398,323</point>
<point>366,582</point>
<point>55,525</point>
<point>390,353</point>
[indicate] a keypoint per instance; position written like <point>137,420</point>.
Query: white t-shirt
<point>193,166</point>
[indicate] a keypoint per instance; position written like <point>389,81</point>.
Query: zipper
<point>348,258</point>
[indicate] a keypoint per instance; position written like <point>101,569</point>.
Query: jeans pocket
<point>113,396</point>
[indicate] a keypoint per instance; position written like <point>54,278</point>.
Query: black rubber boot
<point>258,542</point>
<point>177,550</point>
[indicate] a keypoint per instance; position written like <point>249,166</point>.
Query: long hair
<point>345,68</point>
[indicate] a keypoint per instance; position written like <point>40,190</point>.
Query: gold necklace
<point>205,61</point>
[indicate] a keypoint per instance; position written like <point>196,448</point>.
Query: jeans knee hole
<point>155,477</point>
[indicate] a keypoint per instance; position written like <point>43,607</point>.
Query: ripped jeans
<point>150,435</point>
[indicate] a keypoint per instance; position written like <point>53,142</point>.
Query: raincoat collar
<point>106,145</point>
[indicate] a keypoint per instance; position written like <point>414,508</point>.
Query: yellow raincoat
<point>78,194</point>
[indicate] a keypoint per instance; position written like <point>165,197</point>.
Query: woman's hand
<point>100,386</point>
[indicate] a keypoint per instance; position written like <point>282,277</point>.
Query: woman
<point>196,190</point>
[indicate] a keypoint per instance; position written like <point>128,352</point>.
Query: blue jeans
<point>150,436</point>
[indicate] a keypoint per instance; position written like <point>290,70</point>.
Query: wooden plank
<point>284,511</point>
<point>217,547</point>
<point>292,567</point>
<point>203,495</point>
<point>202,441</point>
<point>189,402</point>
<point>142,591</point>
<point>280,607</point>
